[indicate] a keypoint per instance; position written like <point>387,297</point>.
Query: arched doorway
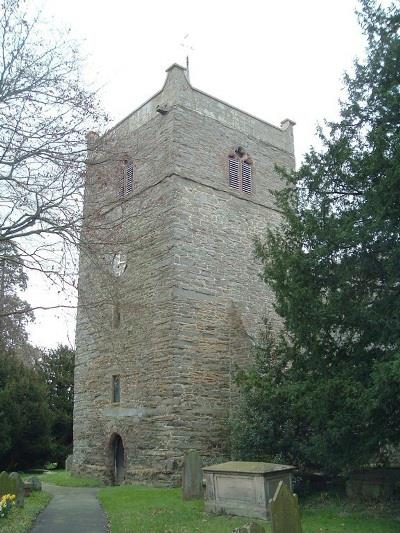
<point>118,457</point>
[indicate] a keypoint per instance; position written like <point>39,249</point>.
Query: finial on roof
<point>285,124</point>
<point>176,84</point>
<point>176,66</point>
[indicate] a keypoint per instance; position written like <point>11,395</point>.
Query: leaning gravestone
<point>192,479</point>
<point>19,489</point>
<point>284,511</point>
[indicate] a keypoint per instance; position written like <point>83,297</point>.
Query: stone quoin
<point>169,292</point>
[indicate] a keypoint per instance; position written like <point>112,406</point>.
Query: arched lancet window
<point>240,171</point>
<point>125,185</point>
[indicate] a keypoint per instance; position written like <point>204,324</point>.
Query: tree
<point>45,112</point>
<point>324,392</point>
<point>13,280</point>
<point>24,410</point>
<point>24,416</point>
<point>57,369</point>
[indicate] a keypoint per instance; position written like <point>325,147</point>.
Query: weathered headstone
<point>284,511</point>
<point>253,527</point>
<point>12,484</point>
<point>69,463</point>
<point>192,479</point>
<point>35,483</point>
<point>7,485</point>
<point>19,489</point>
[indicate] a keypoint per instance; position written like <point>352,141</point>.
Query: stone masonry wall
<point>139,348</point>
<point>219,300</point>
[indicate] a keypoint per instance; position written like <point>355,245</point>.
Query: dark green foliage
<point>24,412</point>
<point>24,416</point>
<point>325,394</point>
<point>57,368</point>
<point>13,322</point>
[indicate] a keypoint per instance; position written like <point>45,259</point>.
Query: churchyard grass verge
<point>334,513</point>
<point>143,509</point>
<point>20,519</point>
<point>65,479</point>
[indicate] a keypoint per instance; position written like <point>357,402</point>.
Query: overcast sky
<point>275,59</point>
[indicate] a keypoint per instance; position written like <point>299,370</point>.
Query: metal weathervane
<point>187,47</point>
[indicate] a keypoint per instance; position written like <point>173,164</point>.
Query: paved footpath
<point>71,510</point>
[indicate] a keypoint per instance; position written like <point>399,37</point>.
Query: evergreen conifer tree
<point>326,392</point>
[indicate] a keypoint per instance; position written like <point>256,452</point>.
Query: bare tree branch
<point>45,113</point>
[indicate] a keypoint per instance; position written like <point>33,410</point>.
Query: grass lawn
<point>20,519</point>
<point>144,509</point>
<point>63,478</point>
<point>332,513</point>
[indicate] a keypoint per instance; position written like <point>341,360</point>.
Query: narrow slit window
<point>116,389</point>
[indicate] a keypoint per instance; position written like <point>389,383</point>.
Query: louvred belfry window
<point>246,177</point>
<point>129,177</point>
<point>240,173</point>
<point>234,172</point>
<point>125,183</point>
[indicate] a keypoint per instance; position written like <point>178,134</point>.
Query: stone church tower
<point>169,294</point>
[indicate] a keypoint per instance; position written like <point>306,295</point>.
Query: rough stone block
<point>244,488</point>
<point>284,511</point>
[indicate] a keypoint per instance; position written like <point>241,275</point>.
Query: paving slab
<point>71,510</point>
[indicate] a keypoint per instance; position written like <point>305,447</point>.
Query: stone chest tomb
<point>169,293</point>
<point>244,488</point>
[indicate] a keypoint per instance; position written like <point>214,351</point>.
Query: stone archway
<point>118,459</point>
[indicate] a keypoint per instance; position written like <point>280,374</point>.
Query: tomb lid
<point>248,467</point>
